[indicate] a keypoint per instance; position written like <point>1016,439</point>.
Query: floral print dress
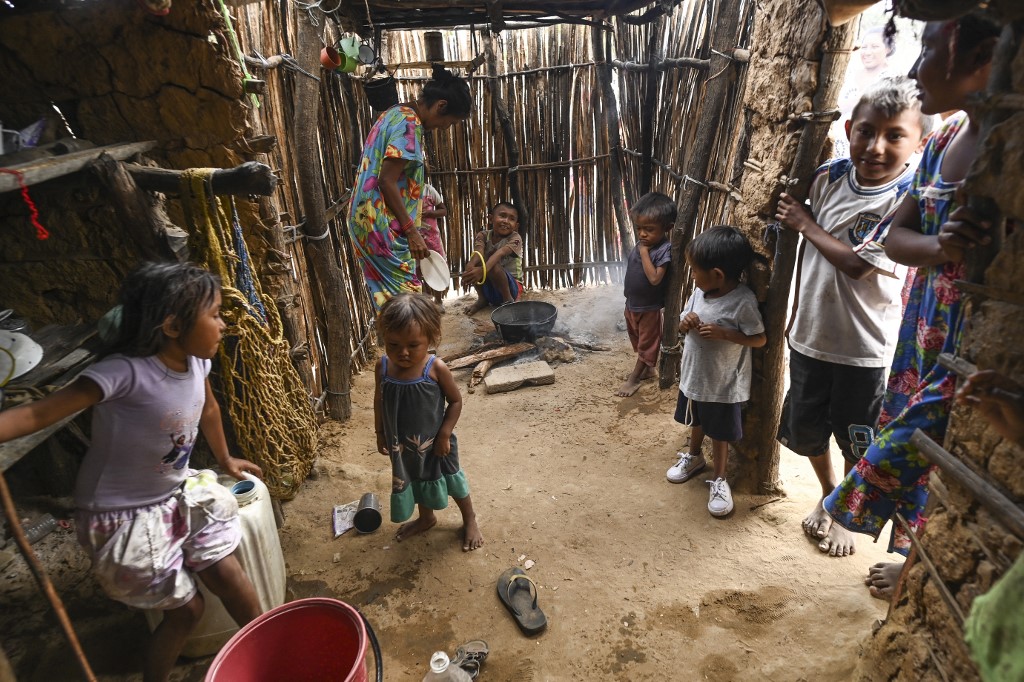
<point>892,476</point>
<point>382,249</point>
<point>412,414</point>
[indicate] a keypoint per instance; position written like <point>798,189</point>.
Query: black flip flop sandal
<point>518,593</point>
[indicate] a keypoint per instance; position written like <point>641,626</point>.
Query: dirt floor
<point>637,580</point>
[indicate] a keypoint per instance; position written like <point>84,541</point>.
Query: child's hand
<point>792,214</point>
<point>714,332</point>
<point>382,446</point>
<point>689,321</point>
<point>442,445</point>
<point>961,232</point>
<point>237,466</point>
<point>999,399</point>
<point>471,277</point>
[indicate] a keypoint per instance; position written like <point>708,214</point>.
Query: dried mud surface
<point>637,580</point>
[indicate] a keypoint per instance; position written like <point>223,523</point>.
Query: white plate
<point>25,352</point>
<point>435,271</point>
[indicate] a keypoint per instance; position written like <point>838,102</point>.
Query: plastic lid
<point>439,662</point>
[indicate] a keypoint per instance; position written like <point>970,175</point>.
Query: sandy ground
<point>637,580</point>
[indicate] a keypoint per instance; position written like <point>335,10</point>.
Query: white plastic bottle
<point>259,553</point>
<point>441,670</point>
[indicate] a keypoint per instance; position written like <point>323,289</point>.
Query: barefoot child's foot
<point>838,542</point>
<point>419,525</point>
<point>628,388</point>
<point>633,380</point>
<point>478,305</point>
<point>882,579</point>
<point>818,523</point>
<point>471,536</point>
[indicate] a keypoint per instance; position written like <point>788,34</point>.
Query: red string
<point>41,232</point>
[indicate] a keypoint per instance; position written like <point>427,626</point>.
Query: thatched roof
<point>499,15</point>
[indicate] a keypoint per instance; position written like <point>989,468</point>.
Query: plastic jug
<point>259,552</point>
<point>441,670</point>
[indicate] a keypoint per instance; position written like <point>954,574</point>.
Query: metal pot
<point>524,320</point>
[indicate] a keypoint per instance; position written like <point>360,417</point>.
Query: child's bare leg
<point>229,581</point>
<point>818,522</point>
<point>480,303</point>
<point>720,453</point>
<point>471,536</point>
<point>421,524</point>
<point>499,280</point>
<point>835,539</point>
<point>696,441</point>
<point>168,639</point>
<point>641,371</point>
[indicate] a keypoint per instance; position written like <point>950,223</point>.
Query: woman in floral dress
<point>384,214</point>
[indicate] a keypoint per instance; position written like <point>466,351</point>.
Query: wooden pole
<point>251,177</point>
<point>716,89</point>
<point>656,53</point>
<point>330,278</point>
<point>622,191</point>
<point>511,148</point>
<point>767,390</point>
<point>999,505</point>
<point>135,209</point>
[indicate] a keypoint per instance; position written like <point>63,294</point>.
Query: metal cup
<point>368,517</point>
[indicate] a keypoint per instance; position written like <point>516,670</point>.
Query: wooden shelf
<point>41,170</point>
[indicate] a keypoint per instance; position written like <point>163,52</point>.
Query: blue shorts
<point>719,421</point>
<point>492,294</point>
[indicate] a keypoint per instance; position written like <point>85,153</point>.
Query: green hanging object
<point>238,51</point>
<point>994,630</point>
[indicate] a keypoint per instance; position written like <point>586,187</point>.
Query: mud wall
<point>117,74</point>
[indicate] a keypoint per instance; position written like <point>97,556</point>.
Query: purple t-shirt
<point>143,431</point>
<point>641,295</point>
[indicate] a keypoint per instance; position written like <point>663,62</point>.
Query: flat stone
<point>510,378</point>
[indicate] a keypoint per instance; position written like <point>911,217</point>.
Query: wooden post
<point>251,177</point>
<point>723,40</point>
<point>505,122</point>
<point>619,180</point>
<point>330,277</point>
<point>655,55</point>
<point>135,209</point>
<point>766,391</point>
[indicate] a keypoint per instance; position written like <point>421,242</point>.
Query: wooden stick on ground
<point>479,372</point>
<point>495,354</point>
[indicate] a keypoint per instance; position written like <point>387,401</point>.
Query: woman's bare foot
<point>818,523</point>
<point>838,542</point>
<point>420,525</point>
<point>479,304</point>
<point>882,579</point>
<point>471,536</point>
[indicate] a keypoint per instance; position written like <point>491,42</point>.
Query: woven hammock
<point>270,413</point>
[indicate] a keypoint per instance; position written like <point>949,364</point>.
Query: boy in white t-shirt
<point>846,305</point>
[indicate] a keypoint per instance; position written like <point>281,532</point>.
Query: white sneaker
<point>720,501</point>
<point>685,468</point>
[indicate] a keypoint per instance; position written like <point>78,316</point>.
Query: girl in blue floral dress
<point>384,214</point>
<point>929,232</point>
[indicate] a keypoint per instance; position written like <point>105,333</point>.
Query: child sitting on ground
<point>645,284</point>
<point>495,268</point>
<point>722,323</point>
<point>415,407</point>
<point>150,524</point>
<point>846,309</point>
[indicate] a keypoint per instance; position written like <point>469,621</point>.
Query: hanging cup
<point>330,58</point>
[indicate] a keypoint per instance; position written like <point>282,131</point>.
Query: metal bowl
<point>524,320</point>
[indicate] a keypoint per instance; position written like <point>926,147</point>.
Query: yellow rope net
<point>273,420</point>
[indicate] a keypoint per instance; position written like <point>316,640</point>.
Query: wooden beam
<point>502,353</point>
<point>986,494</point>
<point>35,172</point>
<point>136,210</point>
<point>250,178</point>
